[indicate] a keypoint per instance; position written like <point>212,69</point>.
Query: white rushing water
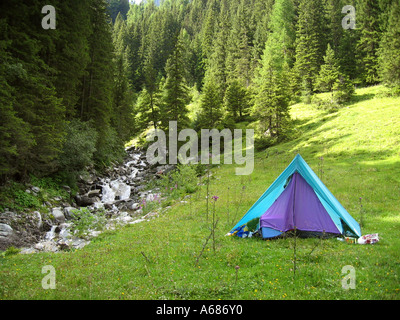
<point>51,234</point>
<point>115,189</point>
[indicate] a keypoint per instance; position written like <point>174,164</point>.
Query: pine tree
<point>116,7</point>
<point>210,115</point>
<point>97,94</point>
<point>332,79</point>
<point>175,96</point>
<point>271,93</point>
<point>389,51</point>
<point>236,100</point>
<point>271,101</point>
<point>281,39</point>
<point>238,54</point>
<point>148,109</point>
<point>262,13</point>
<point>329,72</point>
<point>70,55</point>
<point>368,23</point>
<point>216,64</point>
<point>15,138</point>
<point>310,43</point>
<point>32,91</point>
<point>122,115</point>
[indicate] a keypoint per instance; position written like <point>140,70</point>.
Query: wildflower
<point>215,198</point>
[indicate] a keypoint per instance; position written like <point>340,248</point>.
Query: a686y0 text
<point>204,310</point>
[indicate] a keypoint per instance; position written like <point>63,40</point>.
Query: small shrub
<point>86,221</point>
<point>11,251</point>
<point>262,142</point>
<point>181,181</point>
<point>14,197</point>
<point>329,105</point>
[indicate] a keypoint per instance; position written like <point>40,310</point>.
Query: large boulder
<point>58,215</point>
<point>69,213</point>
<point>85,201</point>
<point>6,231</point>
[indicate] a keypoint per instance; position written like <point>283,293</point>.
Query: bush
<point>86,221</point>
<point>79,147</point>
<point>263,142</point>
<point>109,148</point>
<point>14,197</point>
<point>329,105</point>
<point>181,181</point>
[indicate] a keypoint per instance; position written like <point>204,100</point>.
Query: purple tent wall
<point>298,206</point>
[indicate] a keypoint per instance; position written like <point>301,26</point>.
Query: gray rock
<point>39,223</point>
<point>47,246</point>
<point>93,193</point>
<point>84,201</point>
<point>5,230</point>
<point>35,189</point>
<point>58,215</point>
<point>133,206</point>
<point>68,213</point>
<point>67,188</point>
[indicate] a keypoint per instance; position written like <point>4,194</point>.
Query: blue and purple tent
<point>298,200</point>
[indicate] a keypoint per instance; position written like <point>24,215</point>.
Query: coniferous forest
<point>72,96</point>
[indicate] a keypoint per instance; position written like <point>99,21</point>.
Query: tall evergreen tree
<point>271,101</point>
<point>97,94</point>
<point>122,115</point>
<point>15,138</point>
<point>281,39</point>
<point>210,115</point>
<point>389,51</point>
<point>329,72</point>
<point>368,23</point>
<point>310,43</point>
<point>175,92</point>
<point>236,100</point>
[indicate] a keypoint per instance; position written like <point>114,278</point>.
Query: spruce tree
<point>389,51</point>
<point>210,115</point>
<point>332,79</point>
<point>271,101</point>
<point>122,114</point>
<point>236,100</point>
<point>310,43</point>
<point>175,96</point>
<point>329,72</point>
<point>271,92</point>
<point>368,24</point>
<point>282,34</point>
<point>147,110</point>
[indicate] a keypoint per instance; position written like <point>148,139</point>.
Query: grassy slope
<point>156,259</point>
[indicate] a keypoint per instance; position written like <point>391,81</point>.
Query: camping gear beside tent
<point>368,239</point>
<point>298,200</point>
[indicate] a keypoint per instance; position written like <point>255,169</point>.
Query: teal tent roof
<point>336,211</point>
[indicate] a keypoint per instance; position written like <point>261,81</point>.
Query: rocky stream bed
<point>116,196</point>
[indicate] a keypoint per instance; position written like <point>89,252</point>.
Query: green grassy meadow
<point>360,146</point>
